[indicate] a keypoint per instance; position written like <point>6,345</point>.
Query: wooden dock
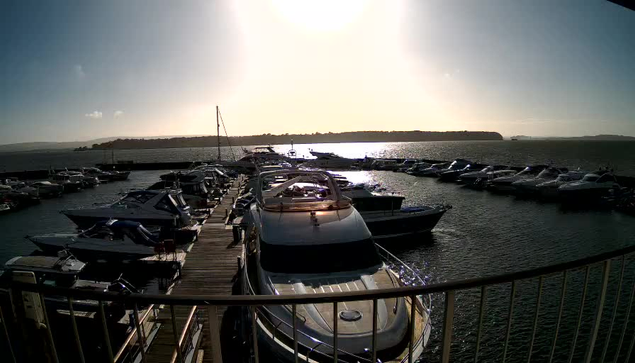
<point>210,268</point>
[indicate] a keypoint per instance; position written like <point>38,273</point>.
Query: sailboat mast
<point>218,133</point>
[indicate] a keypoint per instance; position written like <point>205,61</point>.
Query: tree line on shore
<point>269,139</point>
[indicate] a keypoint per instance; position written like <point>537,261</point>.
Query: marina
<point>211,267</point>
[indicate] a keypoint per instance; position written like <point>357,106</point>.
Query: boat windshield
<point>314,259</point>
<point>590,178</point>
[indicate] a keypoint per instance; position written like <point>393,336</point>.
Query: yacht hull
<point>398,224</point>
<point>84,221</point>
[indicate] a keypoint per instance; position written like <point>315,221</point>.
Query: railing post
<point>176,335</point>
<point>580,313</point>
<point>48,329</point>
<point>254,332</point>
<point>104,329</point>
<point>374,352</point>
<point>562,295</point>
<point>481,314</point>
<point>335,319</point>
<point>536,314</point>
<point>214,332</point>
<point>411,336</point>
<point>448,321</point>
<point>509,320</point>
<point>615,306</point>
<point>140,334</point>
<point>295,332</point>
<point>75,330</point>
<point>628,314</point>
<point>598,313</point>
<point>6,333</point>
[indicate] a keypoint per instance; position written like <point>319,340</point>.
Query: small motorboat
<point>46,189</point>
<point>111,240</point>
<point>63,271</point>
<point>420,166</point>
<point>385,217</point>
<point>87,180</point>
<point>591,188</point>
<point>530,186</point>
<point>431,171</point>
<point>304,237</point>
<point>328,161</point>
<point>160,208</point>
<point>102,176</point>
<point>406,165</point>
<point>70,183</point>
<point>483,174</point>
<point>504,183</point>
<point>549,189</point>
<point>453,175</point>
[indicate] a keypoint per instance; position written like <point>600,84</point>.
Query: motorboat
<point>530,186</point>
<point>18,199</point>
<point>387,219</point>
<point>46,189</point>
<point>453,175</point>
<point>385,164</point>
<point>193,187</point>
<point>63,271</point>
<point>457,164</point>
<point>87,180</point>
<point>304,237</point>
<point>417,167</point>
<point>259,155</point>
<point>102,176</point>
<point>504,183</point>
<point>328,161</point>
<point>406,165</point>
<point>161,208</point>
<point>592,187</point>
<point>549,189</point>
<point>111,240</point>
<point>70,182</point>
<point>483,174</point>
<point>431,171</point>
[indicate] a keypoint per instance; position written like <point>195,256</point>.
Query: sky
<point>80,70</point>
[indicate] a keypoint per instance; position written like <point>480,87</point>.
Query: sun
<point>320,15</point>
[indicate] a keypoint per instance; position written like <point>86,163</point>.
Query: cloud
<point>94,115</point>
<point>118,114</point>
<point>78,70</point>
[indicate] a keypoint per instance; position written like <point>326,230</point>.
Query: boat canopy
<point>299,190</point>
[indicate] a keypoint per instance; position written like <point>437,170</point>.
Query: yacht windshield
<point>326,258</point>
<point>590,178</point>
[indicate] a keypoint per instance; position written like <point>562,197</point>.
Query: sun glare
<point>322,15</point>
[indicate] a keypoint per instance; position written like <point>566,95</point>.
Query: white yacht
<point>162,208</point>
<point>484,174</point>
<point>504,183</point>
<point>311,240</point>
<point>530,186</point>
<point>591,188</point>
<point>549,189</point>
<point>432,170</point>
<point>328,161</point>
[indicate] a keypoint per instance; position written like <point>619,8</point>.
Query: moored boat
<point>309,240</point>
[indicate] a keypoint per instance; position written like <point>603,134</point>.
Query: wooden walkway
<point>210,268</point>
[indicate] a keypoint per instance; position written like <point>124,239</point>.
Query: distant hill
<point>269,139</point>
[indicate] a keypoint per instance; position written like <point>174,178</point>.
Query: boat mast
<point>218,133</point>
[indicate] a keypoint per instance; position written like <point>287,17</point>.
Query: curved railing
<point>448,289</point>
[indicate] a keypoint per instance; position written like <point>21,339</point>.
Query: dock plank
<point>210,268</point>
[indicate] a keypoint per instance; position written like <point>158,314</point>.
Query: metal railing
<point>443,346</point>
